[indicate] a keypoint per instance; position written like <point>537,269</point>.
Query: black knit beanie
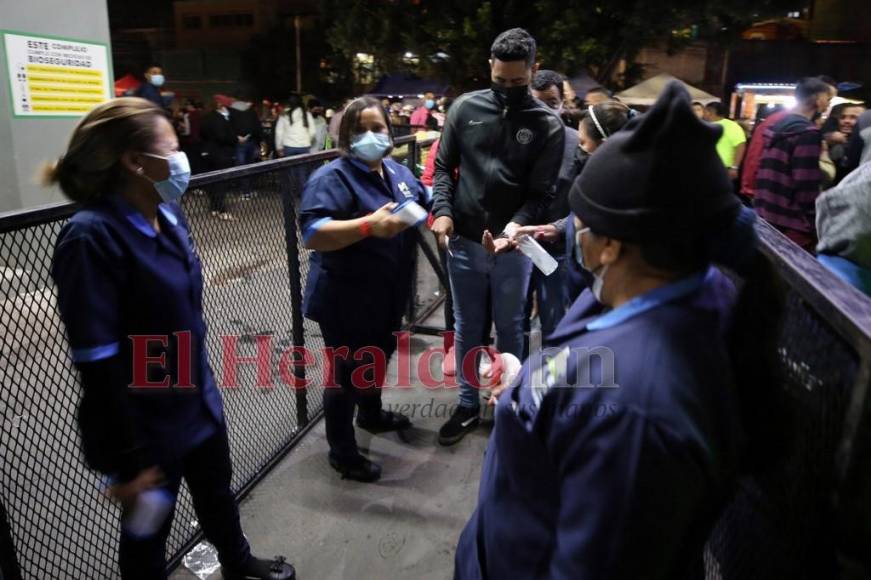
<point>658,179</point>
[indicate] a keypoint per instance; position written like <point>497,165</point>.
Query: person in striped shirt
<point>789,175</point>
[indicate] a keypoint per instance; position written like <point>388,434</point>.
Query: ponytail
<point>91,166</point>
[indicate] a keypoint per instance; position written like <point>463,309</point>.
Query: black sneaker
<point>262,569</point>
<point>384,421</point>
<point>357,469</point>
<point>462,421</point>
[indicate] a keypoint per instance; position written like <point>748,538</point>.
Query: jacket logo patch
<point>403,188</point>
<point>524,136</point>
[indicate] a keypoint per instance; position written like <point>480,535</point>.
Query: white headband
<point>598,125</point>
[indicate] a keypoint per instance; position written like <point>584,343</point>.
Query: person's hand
<point>443,228</point>
<point>733,173</point>
<point>503,370</point>
<point>279,153</point>
<point>546,233</point>
<point>126,493</point>
<point>511,229</point>
<point>497,245</point>
<point>384,223</point>
<point>836,137</point>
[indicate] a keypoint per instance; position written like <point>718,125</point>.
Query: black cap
<point>659,178</point>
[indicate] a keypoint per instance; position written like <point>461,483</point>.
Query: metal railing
<point>809,517</point>
<point>254,267</point>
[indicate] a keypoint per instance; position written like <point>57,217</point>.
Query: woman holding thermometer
<point>358,215</point>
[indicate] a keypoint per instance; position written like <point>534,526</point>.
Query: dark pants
<point>247,153</point>
<point>299,173</point>
<point>207,471</point>
<point>217,192</point>
<point>339,401</point>
<point>553,300</point>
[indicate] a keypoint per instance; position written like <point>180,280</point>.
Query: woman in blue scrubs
<point>126,269</point>
<point>360,275</point>
<point>612,457</point>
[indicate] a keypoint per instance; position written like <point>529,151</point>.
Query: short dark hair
<point>828,80</point>
<point>600,90</point>
<point>512,45</point>
<point>544,79</point>
<point>350,124</point>
<point>698,104</point>
<point>718,108</point>
<point>809,87</point>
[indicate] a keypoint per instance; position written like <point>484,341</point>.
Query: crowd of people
<point>619,442</point>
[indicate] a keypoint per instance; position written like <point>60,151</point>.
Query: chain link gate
<point>255,268</point>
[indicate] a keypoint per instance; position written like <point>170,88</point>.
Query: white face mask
<point>598,279</point>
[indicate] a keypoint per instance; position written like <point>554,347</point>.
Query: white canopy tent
<point>646,93</point>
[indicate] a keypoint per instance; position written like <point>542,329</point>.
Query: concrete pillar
<point>25,143</point>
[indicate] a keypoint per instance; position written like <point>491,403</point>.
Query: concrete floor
<point>404,526</point>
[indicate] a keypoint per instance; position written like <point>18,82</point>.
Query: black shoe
<point>262,569</point>
<point>384,421</point>
<point>463,421</point>
<point>357,469</point>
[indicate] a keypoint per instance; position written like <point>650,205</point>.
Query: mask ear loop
<point>602,131</point>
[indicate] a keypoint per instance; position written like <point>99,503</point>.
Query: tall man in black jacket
<point>508,147</point>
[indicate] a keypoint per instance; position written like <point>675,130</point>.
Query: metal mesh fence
<point>254,267</point>
<point>783,524</point>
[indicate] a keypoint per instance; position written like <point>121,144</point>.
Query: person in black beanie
<point>614,452</point>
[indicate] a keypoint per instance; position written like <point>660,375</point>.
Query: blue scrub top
<point>614,460</point>
<point>365,286</point>
<point>117,277</point>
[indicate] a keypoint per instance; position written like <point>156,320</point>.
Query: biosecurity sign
<point>50,77</point>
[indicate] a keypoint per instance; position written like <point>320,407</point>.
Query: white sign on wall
<point>55,77</point>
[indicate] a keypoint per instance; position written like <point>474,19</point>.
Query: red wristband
<point>365,228</point>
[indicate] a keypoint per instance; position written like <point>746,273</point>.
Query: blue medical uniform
<point>117,278</point>
<point>615,474</point>
<point>357,294</point>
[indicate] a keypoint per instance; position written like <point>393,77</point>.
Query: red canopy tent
<point>126,85</point>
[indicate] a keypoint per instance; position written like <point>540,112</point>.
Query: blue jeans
<point>553,298</point>
<point>248,152</point>
<point>475,275</point>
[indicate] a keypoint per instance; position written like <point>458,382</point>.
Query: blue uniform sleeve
<point>326,197</point>
<point>628,487</point>
<point>87,271</point>
<point>424,195</point>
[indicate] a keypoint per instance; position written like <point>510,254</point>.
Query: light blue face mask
<point>598,279</point>
<point>370,147</point>
<point>157,80</point>
<point>429,104</point>
<point>174,186</point>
